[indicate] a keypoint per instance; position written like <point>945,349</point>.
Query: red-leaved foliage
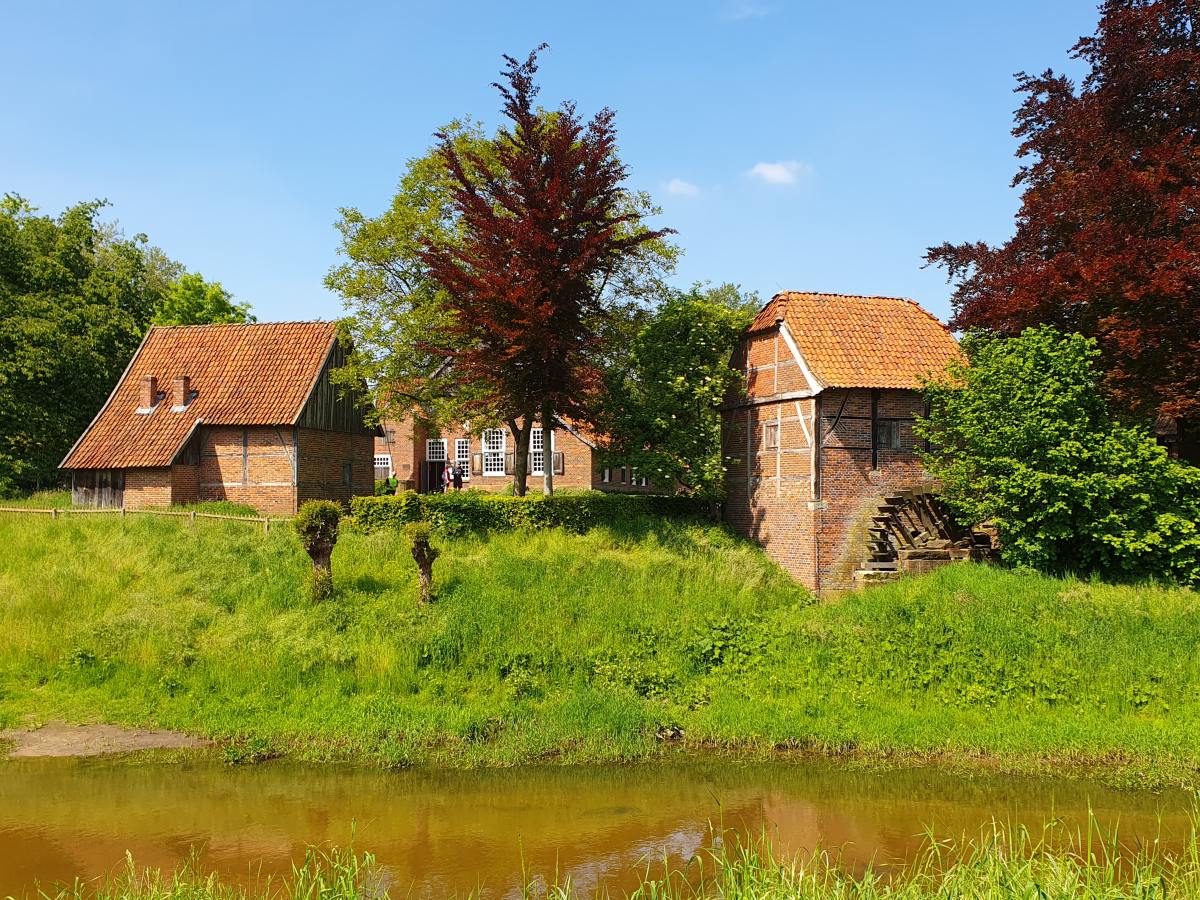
<point>540,229</point>
<point>1107,239</point>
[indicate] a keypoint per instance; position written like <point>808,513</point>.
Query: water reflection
<point>447,833</point>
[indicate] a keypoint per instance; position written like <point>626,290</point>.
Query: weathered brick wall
<point>251,465</point>
<point>850,488</point>
<point>185,483</point>
<point>770,488</point>
<point>147,487</point>
<point>334,465</point>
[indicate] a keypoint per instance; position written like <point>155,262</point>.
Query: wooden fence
<point>191,515</point>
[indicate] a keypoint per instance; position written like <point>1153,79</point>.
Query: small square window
<point>771,436</point>
<point>347,473</point>
<point>887,435</point>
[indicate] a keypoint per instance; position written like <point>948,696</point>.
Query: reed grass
<point>1004,861</point>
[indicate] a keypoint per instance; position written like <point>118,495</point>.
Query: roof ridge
<point>784,296</point>
<point>252,324</point>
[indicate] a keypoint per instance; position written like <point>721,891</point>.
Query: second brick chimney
<point>181,392</point>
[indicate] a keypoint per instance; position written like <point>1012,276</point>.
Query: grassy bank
<point>1001,862</point>
<point>611,645</point>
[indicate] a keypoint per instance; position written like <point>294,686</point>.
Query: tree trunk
<point>521,453</point>
<point>424,555</point>
<point>321,553</point>
<point>547,449</point>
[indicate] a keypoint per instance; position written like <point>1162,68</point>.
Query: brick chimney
<point>182,390</point>
<point>149,392</point>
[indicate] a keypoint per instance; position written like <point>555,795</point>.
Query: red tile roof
<point>873,342</point>
<point>259,374</point>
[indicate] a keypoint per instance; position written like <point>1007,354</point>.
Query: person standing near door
<point>456,475</point>
<point>447,479</point>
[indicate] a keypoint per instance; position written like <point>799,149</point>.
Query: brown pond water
<point>441,834</point>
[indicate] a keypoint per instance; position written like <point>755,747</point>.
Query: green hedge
<point>468,511</point>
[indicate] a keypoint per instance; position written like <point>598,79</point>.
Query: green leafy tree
<point>190,300</point>
<point>1022,436</point>
<point>664,416</point>
<point>396,311</point>
<point>399,318</point>
<point>75,299</point>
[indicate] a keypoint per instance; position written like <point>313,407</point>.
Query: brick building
<point>245,413</point>
<point>416,456</point>
<point>824,427</point>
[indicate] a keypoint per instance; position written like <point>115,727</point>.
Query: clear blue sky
<point>798,145</point>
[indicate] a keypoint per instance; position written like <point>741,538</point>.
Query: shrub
<point>472,511</point>
<point>1022,436</point>
<point>385,487</point>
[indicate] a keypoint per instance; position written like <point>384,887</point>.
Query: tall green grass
<point>615,644</point>
<point>1003,862</point>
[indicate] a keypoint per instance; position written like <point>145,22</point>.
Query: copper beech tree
<point>542,227</point>
<point>1107,239</point>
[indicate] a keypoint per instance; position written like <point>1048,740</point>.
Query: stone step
<point>864,577</point>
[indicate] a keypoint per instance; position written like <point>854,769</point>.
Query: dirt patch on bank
<point>61,739</point>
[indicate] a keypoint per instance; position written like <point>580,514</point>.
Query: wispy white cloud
<point>785,172</point>
<point>681,188</point>
<point>740,10</point>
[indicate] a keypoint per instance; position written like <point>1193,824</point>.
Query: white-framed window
<point>606,476</point>
<point>462,456</point>
<point>537,450</point>
<point>494,440</point>
<point>383,466</point>
<point>771,436</point>
<point>435,449</point>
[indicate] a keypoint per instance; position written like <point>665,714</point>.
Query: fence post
<point>54,512</point>
<point>192,517</point>
<point>266,526</point>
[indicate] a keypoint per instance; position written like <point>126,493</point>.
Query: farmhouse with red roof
<point>823,431</point>
<point>245,413</point>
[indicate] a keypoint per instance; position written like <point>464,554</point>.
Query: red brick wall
<point>397,442</point>
<point>147,487</point>
<point>185,483</point>
<point>323,458</point>
<point>850,488</point>
<point>579,470</point>
<point>251,465</point>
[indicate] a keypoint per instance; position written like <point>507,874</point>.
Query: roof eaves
<point>567,426</point>
<point>187,437</point>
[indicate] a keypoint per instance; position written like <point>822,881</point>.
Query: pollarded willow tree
<point>543,230</point>
<point>1107,240</point>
